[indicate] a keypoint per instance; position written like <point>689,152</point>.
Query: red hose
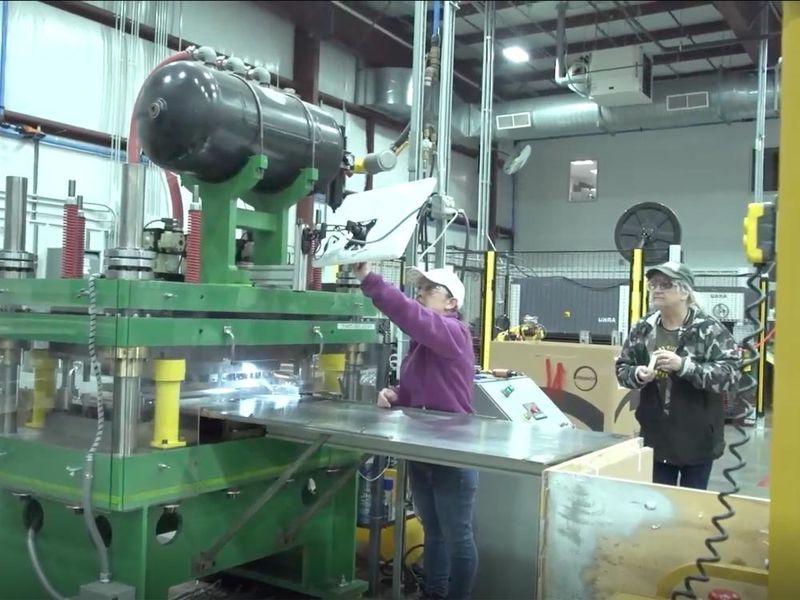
<point>134,150</point>
<point>81,244</point>
<point>315,276</point>
<point>70,246</point>
<point>193,246</point>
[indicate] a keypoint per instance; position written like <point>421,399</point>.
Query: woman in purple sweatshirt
<point>437,374</point>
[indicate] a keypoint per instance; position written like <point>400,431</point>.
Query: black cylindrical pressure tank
<point>195,119</point>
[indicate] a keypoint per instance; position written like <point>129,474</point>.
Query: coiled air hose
<point>749,383</point>
<point>88,467</point>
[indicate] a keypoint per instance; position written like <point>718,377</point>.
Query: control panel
<point>517,399</point>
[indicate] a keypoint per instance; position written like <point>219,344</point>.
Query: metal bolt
<point>171,508</point>
<point>75,508</point>
<point>168,295</point>
<point>163,466</point>
<point>655,527</point>
<point>73,470</point>
<point>233,493</point>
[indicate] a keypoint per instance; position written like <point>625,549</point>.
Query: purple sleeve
<point>444,335</point>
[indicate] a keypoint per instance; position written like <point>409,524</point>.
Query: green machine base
<point>156,515</point>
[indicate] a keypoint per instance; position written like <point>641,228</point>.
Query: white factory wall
<point>243,29</point>
<point>701,173</point>
<point>65,68</point>
<point>337,71</point>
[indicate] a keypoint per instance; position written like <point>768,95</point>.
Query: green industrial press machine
<point>113,484</point>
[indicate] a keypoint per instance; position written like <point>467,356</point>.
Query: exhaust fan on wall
<point>517,160</point>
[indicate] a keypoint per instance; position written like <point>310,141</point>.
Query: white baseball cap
<point>445,277</point>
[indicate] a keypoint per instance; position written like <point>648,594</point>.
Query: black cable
<point>591,287</point>
<point>466,247</point>
<point>401,139</point>
<point>748,363</point>
<point>383,237</point>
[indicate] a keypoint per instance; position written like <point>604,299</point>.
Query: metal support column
<point>127,399</point>
<point>444,126</point>
<point>761,110</point>
<point>487,97</point>
<point>784,526</point>
<point>415,143</point>
<point>399,530</point>
<point>10,358</point>
<point>375,524</point>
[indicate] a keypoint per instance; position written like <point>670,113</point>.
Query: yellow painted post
<point>636,285</point>
<point>784,526</point>
<point>44,387</point>
<point>168,375</point>
<point>487,314</point>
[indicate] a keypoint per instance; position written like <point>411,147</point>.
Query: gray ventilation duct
<point>731,96</point>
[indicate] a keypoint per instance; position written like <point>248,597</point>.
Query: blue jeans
<point>444,498</point>
<point>692,476</point>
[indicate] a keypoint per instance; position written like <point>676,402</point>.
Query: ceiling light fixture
<point>516,54</point>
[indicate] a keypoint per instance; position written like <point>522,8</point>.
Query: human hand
<point>668,361</point>
<point>645,374</point>
<point>361,270</point>
<point>386,397</point>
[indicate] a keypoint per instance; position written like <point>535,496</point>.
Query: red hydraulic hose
<point>134,150</point>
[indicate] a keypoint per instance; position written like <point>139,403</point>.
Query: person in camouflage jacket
<point>683,360</point>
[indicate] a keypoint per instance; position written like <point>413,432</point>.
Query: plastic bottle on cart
<point>388,500</point>
<point>364,502</point>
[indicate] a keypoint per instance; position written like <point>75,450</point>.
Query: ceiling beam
<point>741,16</point>
<point>378,39</point>
<point>582,20</point>
<point>620,41</point>
<point>684,55</point>
<point>471,8</point>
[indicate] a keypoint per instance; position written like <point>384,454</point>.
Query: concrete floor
<point>753,479</point>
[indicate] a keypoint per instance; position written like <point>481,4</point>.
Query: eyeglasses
<point>432,287</point>
<point>660,285</point>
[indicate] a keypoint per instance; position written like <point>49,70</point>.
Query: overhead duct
<point>389,90</point>
<point>731,96</point>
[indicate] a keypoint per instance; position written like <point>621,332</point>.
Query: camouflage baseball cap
<point>675,271</point>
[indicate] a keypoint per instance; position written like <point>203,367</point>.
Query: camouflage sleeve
<point>719,369</point>
<point>627,363</point>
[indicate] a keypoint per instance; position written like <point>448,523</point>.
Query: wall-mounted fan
<point>650,226</point>
<point>516,161</point>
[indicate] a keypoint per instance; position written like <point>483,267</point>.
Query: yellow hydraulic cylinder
<point>168,375</point>
<point>44,387</point>
<point>332,367</point>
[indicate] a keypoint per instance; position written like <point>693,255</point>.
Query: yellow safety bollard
<point>168,375</point>
<point>44,387</point>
